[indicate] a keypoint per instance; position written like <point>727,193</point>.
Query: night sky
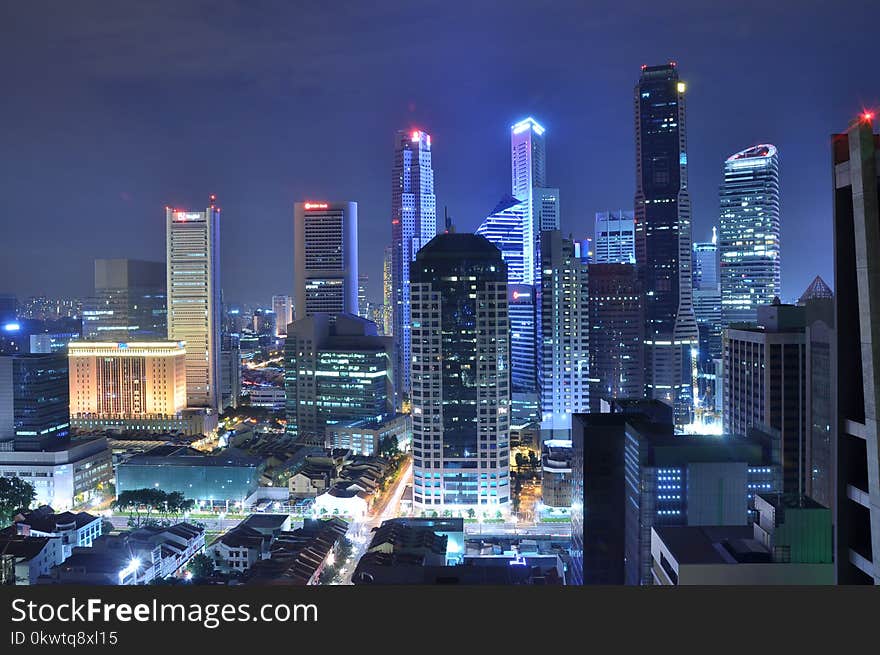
<point>111,110</point>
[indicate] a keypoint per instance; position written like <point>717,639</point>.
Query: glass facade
<point>749,238</point>
<point>41,400</point>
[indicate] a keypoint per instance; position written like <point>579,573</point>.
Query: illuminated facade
<point>504,228</point>
<point>129,302</point>
<point>126,380</point>
<point>194,304</point>
<point>34,400</point>
<point>663,239</point>
<point>460,374</point>
<point>564,333</point>
<point>749,236</point>
<point>336,370</point>
<point>282,306</point>
<point>325,255</point>
<point>615,238</point>
<point>413,224</point>
<point>387,294</point>
<point>707,310</point>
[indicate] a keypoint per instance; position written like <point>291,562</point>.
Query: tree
<point>15,495</point>
<point>519,460</point>
<point>471,513</point>
<point>148,501</point>
<point>201,566</point>
<point>388,447</point>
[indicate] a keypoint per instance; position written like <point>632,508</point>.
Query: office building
<point>663,239</point>
<point>34,401</point>
<point>387,293</point>
<point>528,172</point>
<point>282,307</point>
<point>556,464</point>
<point>413,224</point>
<point>765,383</point>
<point>336,370</point>
<point>615,343</point>
<point>127,380</point>
<point>460,374</point>
<point>856,178</point>
<point>614,238</point>
<point>707,310</point>
<point>63,474</point>
<point>706,263</point>
<point>129,301</point>
<point>230,370</point>
<point>563,342</point>
<point>749,236</point>
<point>504,228</point>
<point>45,343</point>
<point>194,303</point>
<point>365,437</point>
<point>325,257</point>
<point>819,336</point>
<point>363,305</point>
<point>523,353</point>
<point>8,308</point>
<point>789,544</point>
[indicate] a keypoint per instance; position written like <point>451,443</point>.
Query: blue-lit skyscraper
<point>663,239</point>
<point>504,228</point>
<point>707,309</point>
<point>749,243</point>
<point>614,238</point>
<point>34,400</point>
<point>413,224</point>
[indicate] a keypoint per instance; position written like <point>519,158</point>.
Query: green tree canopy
<point>15,495</point>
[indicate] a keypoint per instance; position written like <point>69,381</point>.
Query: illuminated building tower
<point>460,376</point>
<point>194,304</point>
<point>523,354</point>
<point>363,305</point>
<point>749,235</point>
<point>413,224</point>
<point>615,238</point>
<point>387,293</point>
<point>563,341</point>
<point>504,228</point>
<point>129,301</point>
<point>282,306</point>
<point>856,161</point>
<point>34,401</point>
<point>663,239</point>
<point>336,370</point>
<point>325,255</point>
<point>615,321</point>
<point>707,310</point>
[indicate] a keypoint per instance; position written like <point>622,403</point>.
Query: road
<point>360,532</point>
<point>211,524</point>
<point>518,529</point>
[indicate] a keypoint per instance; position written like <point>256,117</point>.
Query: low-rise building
<point>239,549</point>
<point>72,529</point>
<point>64,474</point>
<point>299,557</point>
<point>789,544</point>
<point>23,559</point>
<point>365,437</point>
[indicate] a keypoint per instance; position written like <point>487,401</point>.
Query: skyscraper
<point>615,321</point>
<point>282,307</point>
<point>857,350</point>
<point>563,344</point>
<point>749,239</point>
<point>387,293</point>
<point>363,309</point>
<point>413,224</point>
<point>326,258</point>
<point>460,376</point>
<point>707,310</point>
<point>504,228</point>
<point>765,384</point>
<point>614,238</point>
<point>129,301</point>
<point>663,238</point>
<point>194,303</point>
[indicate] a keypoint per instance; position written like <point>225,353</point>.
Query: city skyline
<point>113,195</point>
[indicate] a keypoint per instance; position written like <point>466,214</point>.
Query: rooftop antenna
<point>447,220</point>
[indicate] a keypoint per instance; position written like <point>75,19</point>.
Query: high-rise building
<point>413,224</point>
<point>523,352</point>
<point>460,374</point>
<point>749,235</point>
<point>765,384</point>
<point>564,338</point>
<point>194,304</point>
<point>387,293</point>
<point>615,320</point>
<point>663,239</point>
<point>336,370</point>
<point>615,238</point>
<point>504,228</point>
<point>856,354</point>
<point>8,308</point>
<point>363,305</point>
<point>325,255</point>
<point>282,306</point>
<point>129,302</point>
<point>707,310</point>
<point>34,401</point>
<point>706,263</point>
<point>127,380</point>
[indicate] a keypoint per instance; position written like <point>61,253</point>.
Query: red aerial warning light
<point>868,116</point>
